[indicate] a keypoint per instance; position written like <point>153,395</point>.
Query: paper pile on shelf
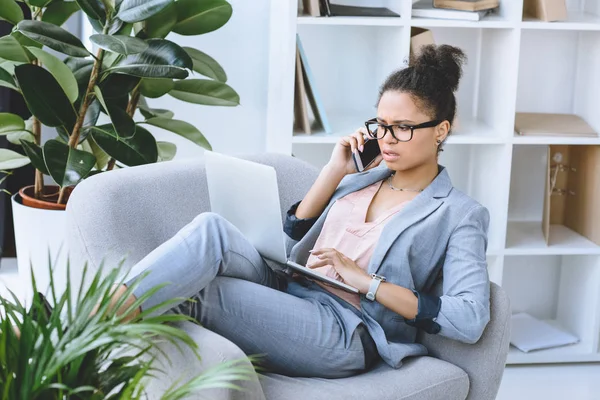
<point>529,333</point>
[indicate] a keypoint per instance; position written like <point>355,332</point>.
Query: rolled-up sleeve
<point>428,310</point>
<point>465,303</point>
<point>294,227</point>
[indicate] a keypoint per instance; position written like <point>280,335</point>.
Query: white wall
<point>241,47</point>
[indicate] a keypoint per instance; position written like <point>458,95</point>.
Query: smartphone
<point>370,152</point>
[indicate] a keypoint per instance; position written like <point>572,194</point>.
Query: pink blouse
<point>346,231</point>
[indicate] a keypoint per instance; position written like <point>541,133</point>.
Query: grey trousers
<point>237,295</point>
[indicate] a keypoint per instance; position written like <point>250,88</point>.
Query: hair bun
<point>446,60</point>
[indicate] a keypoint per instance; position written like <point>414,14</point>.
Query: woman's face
<point>399,108</point>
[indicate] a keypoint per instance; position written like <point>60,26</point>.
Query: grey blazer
<point>440,234</point>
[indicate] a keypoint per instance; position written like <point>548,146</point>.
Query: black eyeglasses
<point>402,132</point>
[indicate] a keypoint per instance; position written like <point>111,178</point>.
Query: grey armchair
<point>129,212</point>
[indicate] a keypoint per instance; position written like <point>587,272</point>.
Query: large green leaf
<point>181,128</point>
<point>197,17</point>
<point>140,149</point>
<point>39,3</point>
<point>59,12</point>
<point>10,123</point>
<point>119,43</point>
<point>118,85</point>
<point>66,165</point>
<point>7,80</point>
<point>148,112</point>
<point>11,159</point>
<point>16,137</point>
<point>94,9</point>
<point>155,88</point>
<point>204,91</point>
<point>63,75</point>
<point>206,65</point>
<point>36,155</point>
<point>102,158</point>
<point>54,37</point>
<point>9,66</point>
<point>139,10</point>
<point>160,25</point>
<point>11,50</point>
<point>25,41</point>
<point>166,151</point>
<point>10,11</point>
<point>44,96</point>
<point>82,69</point>
<point>122,123</point>
<point>115,25</point>
<point>162,59</point>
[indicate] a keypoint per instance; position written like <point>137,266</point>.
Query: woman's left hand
<point>350,272</point>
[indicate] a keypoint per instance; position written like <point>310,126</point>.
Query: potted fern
<point>91,99</point>
<point>82,349</point>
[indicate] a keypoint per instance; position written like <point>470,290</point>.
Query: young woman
<point>391,232</point>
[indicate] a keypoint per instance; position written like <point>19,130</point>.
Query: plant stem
<point>38,185</point>
<point>38,188</point>
<point>85,103</point>
<point>131,107</point>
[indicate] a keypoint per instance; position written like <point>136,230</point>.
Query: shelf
<point>467,131</point>
<point>493,21</point>
<point>540,140</point>
<point>570,353</point>
<point>526,238</point>
<point>357,21</point>
<point>576,21</point>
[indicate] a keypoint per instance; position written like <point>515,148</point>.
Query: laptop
<point>246,194</point>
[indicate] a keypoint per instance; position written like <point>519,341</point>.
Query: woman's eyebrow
<point>401,121</point>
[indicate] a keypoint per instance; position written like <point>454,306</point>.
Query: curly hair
<point>431,80</point>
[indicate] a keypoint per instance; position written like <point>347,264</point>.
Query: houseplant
<point>66,354</point>
<point>91,99</point>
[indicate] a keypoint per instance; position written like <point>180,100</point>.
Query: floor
<point>547,382</point>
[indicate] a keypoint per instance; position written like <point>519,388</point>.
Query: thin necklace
<point>389,181</point>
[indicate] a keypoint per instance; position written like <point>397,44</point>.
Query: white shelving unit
<point>513,65</point>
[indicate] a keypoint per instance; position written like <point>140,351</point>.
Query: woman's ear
<point>442,131</point>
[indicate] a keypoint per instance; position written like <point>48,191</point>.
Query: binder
<point>572,192</point>
<point>314,98</point>
<point>301,120</point>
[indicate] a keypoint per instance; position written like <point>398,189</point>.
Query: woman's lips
<point>389,155</point>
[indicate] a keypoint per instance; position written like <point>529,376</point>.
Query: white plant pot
<point>39,236</point>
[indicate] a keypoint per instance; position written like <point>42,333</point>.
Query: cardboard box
<point>545,10</point>
<point>572,191</point>
<point>419,37</point>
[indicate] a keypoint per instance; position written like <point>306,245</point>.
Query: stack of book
<point>307,119</point>
<point>470,10</point>
<point>324,8</point>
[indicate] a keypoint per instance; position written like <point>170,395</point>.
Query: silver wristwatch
<point>375,282</point>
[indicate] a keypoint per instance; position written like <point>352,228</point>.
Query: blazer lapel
<point>416,210</point>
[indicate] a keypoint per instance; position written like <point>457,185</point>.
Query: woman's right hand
<point>341,157</point>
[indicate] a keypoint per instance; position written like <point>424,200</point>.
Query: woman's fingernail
<point>310,251</point>
<point>361,148</point>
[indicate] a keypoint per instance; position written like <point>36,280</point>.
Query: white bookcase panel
<point>495,268</point>
<point>349,64</point>
<point>463,163</point>
<point>573,58</point>
<point>525,209</point>
<point>513,66</point>
<point>485,101</point>
<point>564,292</point>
